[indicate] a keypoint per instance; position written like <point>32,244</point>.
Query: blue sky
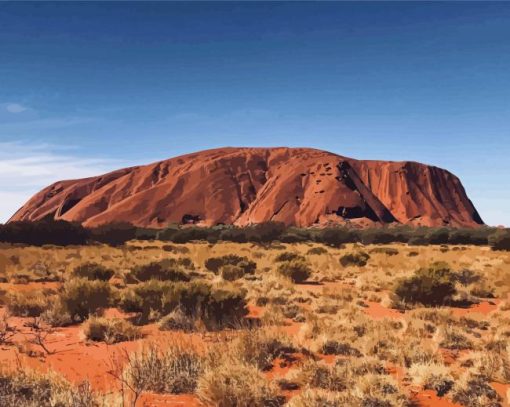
<point>88,87</point>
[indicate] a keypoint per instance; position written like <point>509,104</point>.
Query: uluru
<point>242,186</point>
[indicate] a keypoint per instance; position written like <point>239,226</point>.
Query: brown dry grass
<point>335,328</point>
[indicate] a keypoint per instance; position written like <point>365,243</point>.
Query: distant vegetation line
<point>64,233</point>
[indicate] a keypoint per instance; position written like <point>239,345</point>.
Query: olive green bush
<point>81,297</point>
<point>214,306</point>
<point>430,286</point>
<point>93,271</point>
<point>358,259</point>
<point>27,303</point>
<point>164,270</point>
<point>297,270</point>
<point>215,263</point>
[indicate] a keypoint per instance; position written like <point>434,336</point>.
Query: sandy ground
<point>79,360</point>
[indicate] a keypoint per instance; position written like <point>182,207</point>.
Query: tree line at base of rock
<point>64,233</point>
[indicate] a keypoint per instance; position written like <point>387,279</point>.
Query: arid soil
<point>241,186</point>
<point>428,354</point>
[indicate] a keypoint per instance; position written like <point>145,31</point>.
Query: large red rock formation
<point>298,186</point>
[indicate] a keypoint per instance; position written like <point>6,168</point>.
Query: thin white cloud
<point>25,169</point>
<point>39,124</point>
<point>15,108</point>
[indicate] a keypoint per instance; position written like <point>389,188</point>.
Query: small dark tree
<point>431,286</point>
<point>195,299</point>
<point>500,240</point>
<point>359,259</point>
<point>265,232</point>
<point>288,256</point>
<point>337,236</point>
<point>43,232</point>
<point>93,271</point>
<point>469,236</point>
<point>113,234</point>
<point>297,270</point>
<point>237,235</point>
<point>165,270</point>
<point>438,236</point>
<point>215,263</point>
<point>189,234</point>
<point>82,297</point>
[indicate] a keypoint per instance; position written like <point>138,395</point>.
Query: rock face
<point>241,186</point>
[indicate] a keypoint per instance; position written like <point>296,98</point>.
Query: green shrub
<point>164,270</point>
<point>27,303</point>
<point>332,347</point>
<point>260,347</point>
<point>477,236</point>
<point>237,235</point>
<point>359,259</point>
<point>191,298</point>
<point>417,241</point>
<point>335,237</point>
<point>81,297</point>
<point>224,307</point>
<point>188,234</point>
<point>144,297</point>
<point>93,271</point>
<point>297,270</point>
<point>146,234</point>
<point>317,251</point>
<point>265,232</point>
<point>500,240</point>
<point>431,286</point>
<point>288,256</point>
<point>113,234</point>
<point>110,330</point>
<point>388,251</point>
<point>175,249</point>
<point>197,299</point>
<point>230,272</point>
<point>482,291</point>
<point>466,277</point>
<point>437,236</point>
<point>295,237</point>
<point>43,232</point>
<point>215,263</point>
<point>385,235</point>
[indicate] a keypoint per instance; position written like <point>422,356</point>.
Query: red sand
<point>428,398</point>
<point>377,311</point>
<point>254,311</point>
<point>450,356</point>
<point>168,400</point>
<point>502,390</point>
<point>78,360</point>
<point>484,307</point>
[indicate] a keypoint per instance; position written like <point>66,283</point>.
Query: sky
<point>91,87</point>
